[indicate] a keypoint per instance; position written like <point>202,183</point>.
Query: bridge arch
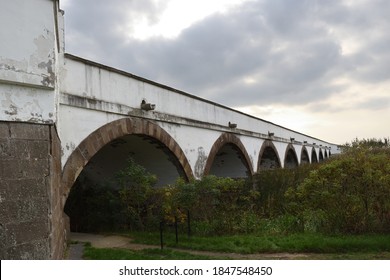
<point>228,156</point>
<point>320,156</point>
<point>304,156</point>
<point>314,158</point>
<point>109,133</point>
<point>268,157</point>
<point>290,158</point>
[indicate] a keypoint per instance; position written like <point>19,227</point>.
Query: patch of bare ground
<point>116,241</point>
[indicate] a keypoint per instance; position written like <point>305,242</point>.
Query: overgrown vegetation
<point>129,203</point>
<point>271,243</point>
<point>348,194</point>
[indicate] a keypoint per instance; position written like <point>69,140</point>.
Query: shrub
<point>138,199</point>
<point>217,205</point>
<point>129,202</point>
<point>272,186</point>
<point>349,194</point>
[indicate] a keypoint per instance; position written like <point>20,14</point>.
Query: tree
<point>135,193</point>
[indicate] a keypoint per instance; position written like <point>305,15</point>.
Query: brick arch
<point>289,148</point>
<point>268,144</point>
<point>111,131</point>
<point>227,138</point>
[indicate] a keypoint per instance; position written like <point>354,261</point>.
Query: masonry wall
<point>31,224</point>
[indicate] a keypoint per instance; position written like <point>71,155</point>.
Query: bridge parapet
<point>91,86</point>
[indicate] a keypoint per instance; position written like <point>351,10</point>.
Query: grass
<point>310,246</point>
<point>92,253</point>
<point>351,256</point>
<point>293,243</point>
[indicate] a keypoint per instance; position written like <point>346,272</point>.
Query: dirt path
<point>108,241</point>
<point>114,241</point>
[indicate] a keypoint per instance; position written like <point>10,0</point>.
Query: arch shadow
<point>304,156</point>
<point>109,132</point>
<point>223,140</point>
<point>314,158</point>
<point>290,158</point>
<point>268,157</point>
<point>321,156</point>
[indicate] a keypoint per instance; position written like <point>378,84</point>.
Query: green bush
<point>349,194</point>
<point>217,205</point>
<point>140,203</point>
<point>272,186</point>
<point>129,202</point>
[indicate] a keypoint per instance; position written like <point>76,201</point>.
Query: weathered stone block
<point>30,131</point>
<point>7,150</point>
<point>9,211</point>
<point>33,209</point>
<point>32,149</point>
<point>4,130</point>
<point>26,232</point>
<point>19,189</point>
<point>37,250</point>
<point>2,243</point>
<point>24,169</point>
<point>87,149</point>
<point>57,237</point>
<point>21,252</point>
<point>32,225</point>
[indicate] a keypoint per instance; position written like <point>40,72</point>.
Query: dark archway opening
<point>230,162</point>
<point>304,157</point>
<point>314,156</point>
<point>94,203</point>
<point>291,160</point>
<point>269,159</point>
<point>321,156</point>
<point>145,150</point>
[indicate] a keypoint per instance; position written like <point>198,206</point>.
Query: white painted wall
<point>102,84</point>
<point>28,60</point>
<point>108,94</point>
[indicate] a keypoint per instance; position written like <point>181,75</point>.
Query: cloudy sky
<point>321,67</point>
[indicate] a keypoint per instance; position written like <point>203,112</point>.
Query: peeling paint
<point>70,146</point>
<point>13,110</point>
<point>48,80</point>
<point>26,104</point>
<point>36,68</point>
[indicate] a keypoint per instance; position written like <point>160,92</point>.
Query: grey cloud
<point>375,103</point>
<point>286,47</point>
<point>93,26</point>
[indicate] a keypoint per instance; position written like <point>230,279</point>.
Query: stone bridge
<point>62,115</point>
